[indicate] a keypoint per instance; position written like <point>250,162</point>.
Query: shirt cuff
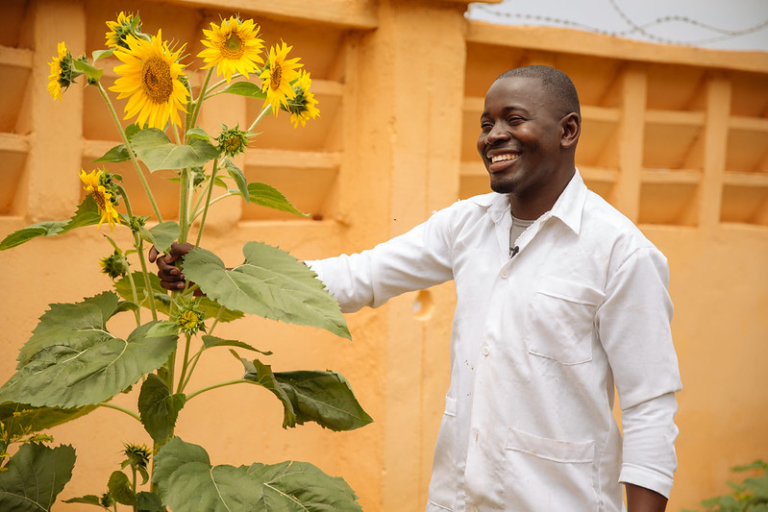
<point>648,478</point>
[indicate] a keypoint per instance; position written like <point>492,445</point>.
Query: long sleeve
<point>634,328</point>
<point>415,260</point>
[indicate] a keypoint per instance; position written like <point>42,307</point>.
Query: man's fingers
<point>153,252</point>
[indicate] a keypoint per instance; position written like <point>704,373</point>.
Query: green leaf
<point>157,151</point>
<point>88,499</point>
<point>239,178</point>
<point>182,467</point>
<point>262,375</point>
<point>30,419</point>
<point>300,487</point>
<point>270,283</point>
<point>149,502</point>
<point>131,130</point>
<point>163,235</point>
<point>87,215</point>
<point>264,195</point>
<point>162,300</point>
<point>120,488</point>
<point>101,54</point>
<point>289,486</point>
<point>323,397</point>
<point>198,133</point>
<point>116,154</point>
<point>158,408</point>
<point>72,360</point>
<point>244,88</point>
<point>211,309</point>
<point>212,341</point>
<point>35,476</point>
<point>89,70</point>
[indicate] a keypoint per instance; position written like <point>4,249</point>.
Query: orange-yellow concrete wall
<point>676,138</point>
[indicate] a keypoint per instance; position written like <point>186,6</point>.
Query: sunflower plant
<point>74,364</point>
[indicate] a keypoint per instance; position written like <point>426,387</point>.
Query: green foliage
<point>87,215</point>
<point>264,195</point>
<point>270,283</point>
<point>159,408</point>
<point>72,360</point>
<point>751,495</point>
<point>34,477</point>
<point>189,483</point>
<point>158,152</point>
<point>78,358</point>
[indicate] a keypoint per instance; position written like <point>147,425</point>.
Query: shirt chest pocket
<point>560,320</point>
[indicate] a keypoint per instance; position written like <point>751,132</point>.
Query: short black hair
<point>554,81</point>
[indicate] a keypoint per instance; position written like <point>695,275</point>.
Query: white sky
<point>725,15</point>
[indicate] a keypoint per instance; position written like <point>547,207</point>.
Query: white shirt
<point>539,340</point>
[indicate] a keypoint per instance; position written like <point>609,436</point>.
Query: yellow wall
<point>677,138</point>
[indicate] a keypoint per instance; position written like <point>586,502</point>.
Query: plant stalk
<point>135,162</point>
<point>207,202</point>
<point>121,409</point>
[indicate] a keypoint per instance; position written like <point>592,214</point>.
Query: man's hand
<point>640,499</point>
<point>170,276</point>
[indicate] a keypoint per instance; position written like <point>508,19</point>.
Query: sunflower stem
<point>216,200</point>
<point>135,162</point>
<point>207,202</point>
<point>139,244</point>
<point>134,292</point>
<point>215,386</point>
<point>184,206</point>
<point>263,112</point>
<point>192,122</point>
<point>121,409</point>
<point>185,361</point>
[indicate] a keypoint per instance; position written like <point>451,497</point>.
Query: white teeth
<point>505,156</point>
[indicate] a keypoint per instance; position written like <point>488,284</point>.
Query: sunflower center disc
<point>156,77</point>
<point>233,47</point>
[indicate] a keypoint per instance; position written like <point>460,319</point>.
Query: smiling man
<point>560,300</point>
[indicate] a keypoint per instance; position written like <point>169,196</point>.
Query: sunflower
<point>277,77</point>
<point>119,30</point>
<point>232,47</point>
<point>94,185</point>
<point>151,77</point>
<point>62,72</point>
<point>303,106</point>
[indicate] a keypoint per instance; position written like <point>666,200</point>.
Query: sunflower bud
<point>190,320</point>
<point>63,72</point>
<point>114,265</point>
<point>232,141</point>
<point>119,30</point>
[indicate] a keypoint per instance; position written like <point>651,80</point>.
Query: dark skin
<point>532,139</point>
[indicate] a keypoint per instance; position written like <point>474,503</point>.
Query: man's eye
<point>515,120</point>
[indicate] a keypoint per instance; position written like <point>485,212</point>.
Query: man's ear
<point>571,129</point>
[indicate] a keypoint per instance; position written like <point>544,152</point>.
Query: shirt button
<point>486,350</point>
<point>504,274</point>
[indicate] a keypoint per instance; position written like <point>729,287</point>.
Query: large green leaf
<point>301,487</point>
<point>23,418</point>
<point>265,195</point>
<point>323,397</point>
<point>261,374</point>
<point>159,408</point>
<point>188,482</point>
<point>34,477</point>
<point>270,283</point>
<point>72,360</point>
<point>87,215</point>
<point>158,152</point>
<point>63,321</point>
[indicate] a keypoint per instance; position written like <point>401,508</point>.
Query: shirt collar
<point>568,207</point>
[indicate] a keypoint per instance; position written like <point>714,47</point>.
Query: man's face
<point>520,136</point>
